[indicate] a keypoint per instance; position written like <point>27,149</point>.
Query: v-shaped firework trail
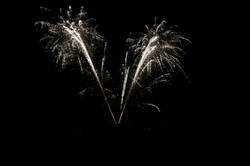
<point>73,40</point>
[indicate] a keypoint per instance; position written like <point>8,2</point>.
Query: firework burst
<point>72,40</point>
<point>158,48</point>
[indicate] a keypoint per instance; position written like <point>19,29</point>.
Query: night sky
<point>63,126</point>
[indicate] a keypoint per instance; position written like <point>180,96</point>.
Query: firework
<point>73,40</point>
<point>159,48</point>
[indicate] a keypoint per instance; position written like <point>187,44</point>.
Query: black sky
<point>54,115</point>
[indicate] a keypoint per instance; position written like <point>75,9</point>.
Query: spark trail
<point>161,47</point>
<point>76,36</point>
<point>66,41</point>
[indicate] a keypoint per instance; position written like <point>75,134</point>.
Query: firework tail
<point>76,36</point>
<point>148,50</point>
<point>125,79</point>
<point>103,61</point>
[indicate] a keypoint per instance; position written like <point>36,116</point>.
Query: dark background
<point>59,125</point>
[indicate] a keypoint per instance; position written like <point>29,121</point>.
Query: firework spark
<point>160,47</point>
<point>72,40</point>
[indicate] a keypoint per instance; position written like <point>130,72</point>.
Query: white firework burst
<point>159,48</point>
<point>73,40</point>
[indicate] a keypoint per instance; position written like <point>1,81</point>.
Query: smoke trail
<point>70,40</point>
<point>160,46</point>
